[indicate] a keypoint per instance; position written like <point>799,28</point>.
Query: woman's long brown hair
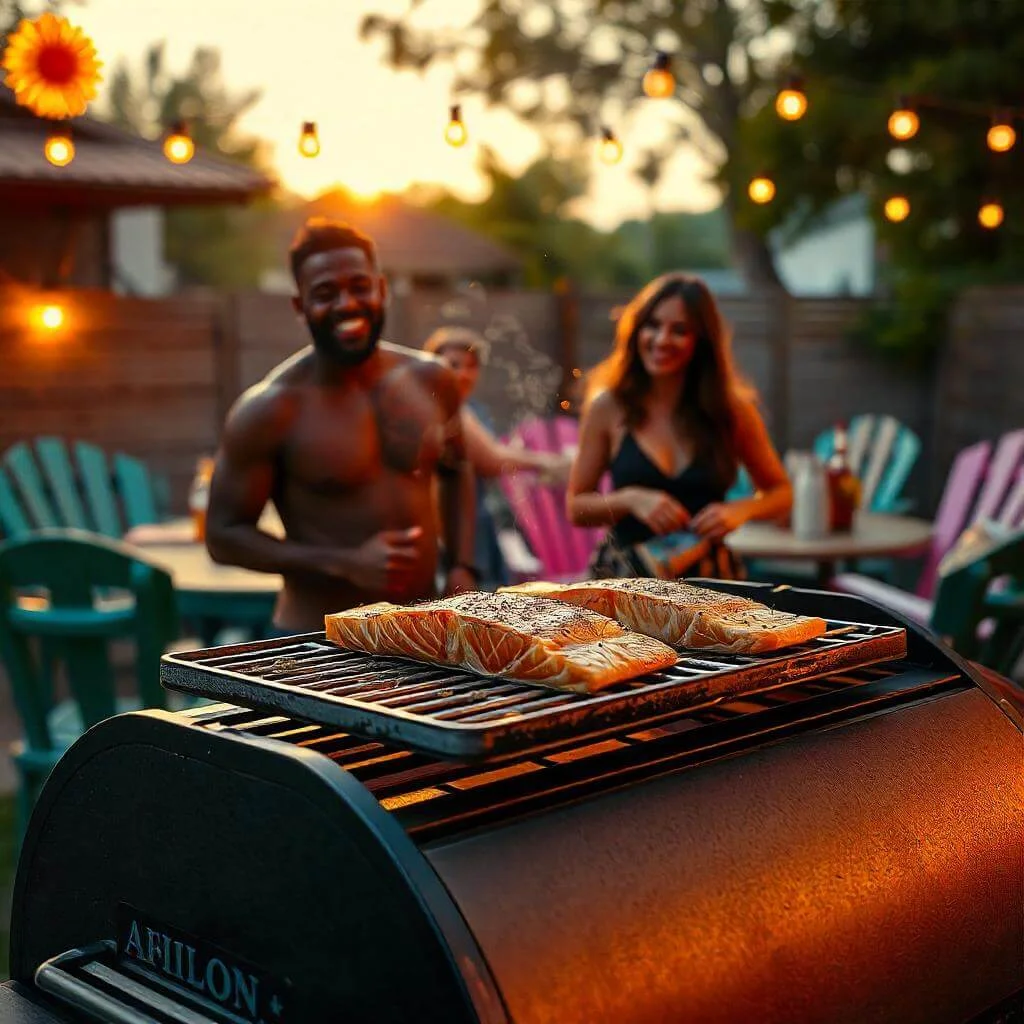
<point>712,388</point>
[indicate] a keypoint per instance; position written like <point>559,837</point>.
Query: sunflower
<point>51,66</point>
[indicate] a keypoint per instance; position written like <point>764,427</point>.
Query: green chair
<point>49,484</point>
<point>65,597</point>
<point>979,607</point>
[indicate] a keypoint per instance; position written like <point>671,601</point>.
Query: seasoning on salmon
<point>682,615</point>
<point>527,639</point>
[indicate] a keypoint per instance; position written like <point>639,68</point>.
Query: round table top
<point>874,534</point>
<point>173,545</point>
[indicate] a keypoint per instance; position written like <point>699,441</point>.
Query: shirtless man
<point>347,437</point>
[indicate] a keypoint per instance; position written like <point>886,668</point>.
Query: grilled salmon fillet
<point>683,615</point>
<point>528,639</point>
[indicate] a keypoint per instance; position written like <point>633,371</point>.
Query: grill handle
<point>87,981</point>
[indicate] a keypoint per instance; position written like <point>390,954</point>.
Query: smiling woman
<point>672,421</point>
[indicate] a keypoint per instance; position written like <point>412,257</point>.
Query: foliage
<point>568,66</point>
<point>215,246</point>
<point>959,62</point>
<point>530,213</point>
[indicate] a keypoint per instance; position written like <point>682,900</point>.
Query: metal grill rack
<point>456,714</point>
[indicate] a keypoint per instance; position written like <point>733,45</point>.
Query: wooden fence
<point>155,378</point>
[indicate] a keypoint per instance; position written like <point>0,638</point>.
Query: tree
<point>958,63</point>
<point>562,64</point>
<point>215,246</point>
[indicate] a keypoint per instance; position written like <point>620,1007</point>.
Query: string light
<point>58,148</point>
<point>659,82</point>
<point>897,208</point>
<point>609,149</point>
<point>309,142</point>
<point>178,146</point>
<point>455,134</point>
<point>903,122</point>
<point>791,102</point>
<point>990,215</point>
<point>761,190</point>
<point>49,317</point>
<point>1001,136</point>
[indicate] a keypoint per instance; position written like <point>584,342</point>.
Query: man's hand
<point>384,563</point>
<point>660,511</point>
<point>460,579</point>
<point>717,520</point>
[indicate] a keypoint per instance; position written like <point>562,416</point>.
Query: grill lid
<point>461,715</point>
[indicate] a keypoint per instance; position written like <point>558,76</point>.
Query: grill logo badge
<point>207,975</point>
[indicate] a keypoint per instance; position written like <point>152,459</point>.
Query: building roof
<point>410,240</point>
<point>111,167</point>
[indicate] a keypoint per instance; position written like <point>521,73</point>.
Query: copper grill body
<point>846,846</point>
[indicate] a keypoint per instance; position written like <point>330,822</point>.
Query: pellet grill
<point>835,834</point>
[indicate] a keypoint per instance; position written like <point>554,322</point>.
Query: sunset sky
<point>379,130</point>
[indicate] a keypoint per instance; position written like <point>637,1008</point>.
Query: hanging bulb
<point>659,82</point>
<point>791,102</point>
<point>1001,136</point>
<point>761,190</point>
<point>58,148</point>
<point>991,214</point>
<point>455,134</point>
<point>309,142</point>
<point>897,208</point>
<point>903,122</point>
<point>609,149</point>
<point>178,146</point>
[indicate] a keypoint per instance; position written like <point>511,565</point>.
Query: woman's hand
<point>718,519</point>
<point>658,510</point>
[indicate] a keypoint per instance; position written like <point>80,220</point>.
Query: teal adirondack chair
<point>48,484</point>
<point>881,452</point>
<point>65,596</point>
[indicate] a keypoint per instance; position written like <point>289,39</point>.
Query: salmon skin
<point>682,615</point>
<point>514,636</point>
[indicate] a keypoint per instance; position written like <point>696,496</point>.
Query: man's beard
<point>335,350</point>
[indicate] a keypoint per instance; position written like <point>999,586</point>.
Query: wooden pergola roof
<point>112,168</point>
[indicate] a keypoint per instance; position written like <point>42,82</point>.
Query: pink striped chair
<point>562,549</point>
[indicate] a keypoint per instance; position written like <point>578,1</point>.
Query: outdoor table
<point>874,535</point>
<point>207,591</point>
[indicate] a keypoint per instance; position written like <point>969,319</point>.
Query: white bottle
<point>810,499</point>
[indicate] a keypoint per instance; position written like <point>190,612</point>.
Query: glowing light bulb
<point>990,215</point>
<point>659,82</point>
<point>761,190</point>
<point>609,149</point>
<point>791,103</point>
<point>309,141</point>
<point>1001,137</point>
<point>455,134</point>
<point>903,122</point>
<point>48,317</point>
<point>178,146</point>
<point>897,208</point>
<point>58,148</point>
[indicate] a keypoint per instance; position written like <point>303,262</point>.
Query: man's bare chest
<point>342,440</point>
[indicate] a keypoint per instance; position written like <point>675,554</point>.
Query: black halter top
<point>693,488</point>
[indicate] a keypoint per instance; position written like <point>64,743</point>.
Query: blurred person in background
<point>669,417</point>
<point>462,350</point>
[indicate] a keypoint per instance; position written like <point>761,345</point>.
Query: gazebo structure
<point>98,219</point>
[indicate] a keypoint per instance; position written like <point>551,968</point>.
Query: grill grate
<point>460,715</point>
<point>434,798</point>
